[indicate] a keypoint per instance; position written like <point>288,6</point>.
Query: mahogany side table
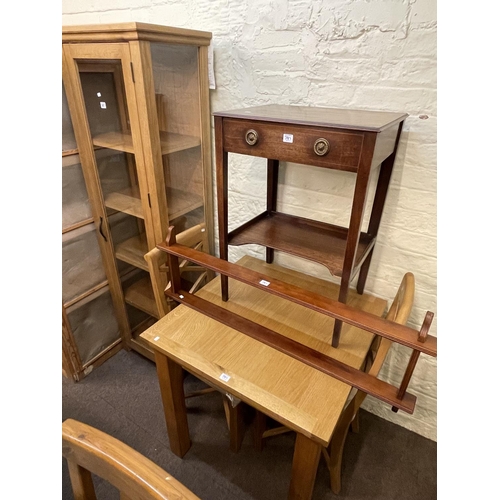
<point>340,139</point>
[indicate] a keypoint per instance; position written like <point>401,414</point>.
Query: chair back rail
<point>89,450</point>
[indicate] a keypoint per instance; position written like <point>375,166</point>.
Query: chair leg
<point>81,482</point>
<point>234,417</point>
<point>259,428</point>
<point>355,423</point>
<point>336,451</point>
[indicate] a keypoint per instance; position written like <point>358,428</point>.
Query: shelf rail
<point>418,341</point>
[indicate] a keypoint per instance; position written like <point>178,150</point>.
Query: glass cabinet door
<point>111,151</point>
<point>140,130</point>
<point>177,97</point>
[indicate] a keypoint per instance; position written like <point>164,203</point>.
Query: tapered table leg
<point>171,382</point>
<point>304,468</point>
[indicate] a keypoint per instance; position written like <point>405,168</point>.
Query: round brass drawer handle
<point>321,147</point>
<point>251,137</point>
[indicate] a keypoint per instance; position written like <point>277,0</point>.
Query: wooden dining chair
<point>196,238</point>
<point>399,312</point>
<point>91,451</point>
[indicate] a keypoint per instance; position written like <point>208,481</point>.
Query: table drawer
<point>321,147</point>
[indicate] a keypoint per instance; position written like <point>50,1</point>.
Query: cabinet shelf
<point>132,251</point>
<point>140,295</point>
<point>309,239</point>
<point>122,141</point>
<point>125,201</point>
<point>179,202</point>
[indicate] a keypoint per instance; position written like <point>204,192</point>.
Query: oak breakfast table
<point>296,395</point>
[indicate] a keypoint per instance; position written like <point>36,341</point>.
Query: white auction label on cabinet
<point>287,137</point>
<point>225,377</point>
<point>103,105</point>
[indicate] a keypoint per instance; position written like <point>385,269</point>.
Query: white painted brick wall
<point>372,54</point>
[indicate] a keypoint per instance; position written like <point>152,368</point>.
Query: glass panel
<point>93,324</point>
<point>75,200</point>
<point>82,267</point>
<point>68,136</point>
<point>175,75</point>
<point>106,106</point>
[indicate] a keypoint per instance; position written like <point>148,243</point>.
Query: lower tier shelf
<point>313,240</point>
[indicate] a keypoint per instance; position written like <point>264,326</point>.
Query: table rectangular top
<point>295,394</point>
<point>353,119</point>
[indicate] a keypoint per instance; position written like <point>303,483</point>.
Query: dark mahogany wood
<point>272,197</point>
<point>422,336</point>
<point>221,173</point>
<point>306,238</point>
<point>361,319</point>
<point>357,211</point>
<point>359,142</point>
<point>378,206</point>
<point>374,121</point>
<point>344,152</point>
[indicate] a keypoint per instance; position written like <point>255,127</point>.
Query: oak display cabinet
<point>138,99</point>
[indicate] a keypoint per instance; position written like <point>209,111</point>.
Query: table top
<point>375,121</point>
<point>296,395</point>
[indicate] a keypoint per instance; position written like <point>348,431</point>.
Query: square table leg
<point>171,380</point>
<point>304,467</point>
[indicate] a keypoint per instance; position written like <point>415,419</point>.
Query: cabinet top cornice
<point>131,31</point>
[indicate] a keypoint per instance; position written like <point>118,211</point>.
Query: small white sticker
<point>157,338</point>
<point>98,94</point>
<point>264,282</point>
<point>225,377</point>
<point>103,105</point>
<point>288,138</point>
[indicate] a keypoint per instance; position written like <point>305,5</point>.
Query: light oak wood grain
<point>295,394</point>
<point>89,450</point>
